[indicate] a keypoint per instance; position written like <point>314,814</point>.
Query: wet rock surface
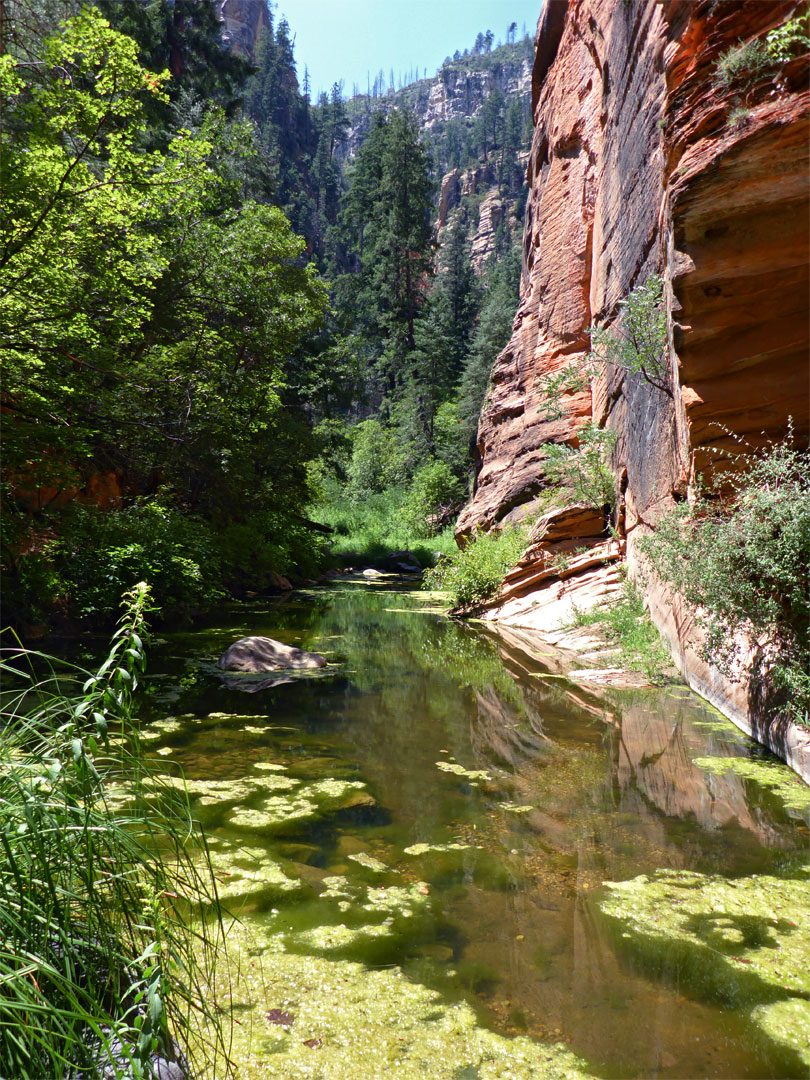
<point>257,654</point>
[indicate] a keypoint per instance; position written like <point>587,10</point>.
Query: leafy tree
<point>151,315</point>
<point>375,464</point>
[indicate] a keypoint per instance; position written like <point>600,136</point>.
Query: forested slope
<point>228,309</point>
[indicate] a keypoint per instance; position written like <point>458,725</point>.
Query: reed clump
<point>109,920</point>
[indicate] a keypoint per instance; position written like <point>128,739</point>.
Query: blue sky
<point>345,39</point>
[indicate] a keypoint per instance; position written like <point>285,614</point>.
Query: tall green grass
<point>105,944</point>
<point>369,528</point>
<point>626,624</point>
<point>474,574</point>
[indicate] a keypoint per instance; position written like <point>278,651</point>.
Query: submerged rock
<point>257,654</point>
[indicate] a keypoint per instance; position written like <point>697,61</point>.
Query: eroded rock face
<point>456,92</point>
<point>636,168</point>
<point>643,163</point>
<point>257,654</point>
<point>242,23</point>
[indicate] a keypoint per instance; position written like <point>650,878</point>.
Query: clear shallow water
<point>577,788</point>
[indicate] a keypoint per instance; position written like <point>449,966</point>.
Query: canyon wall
<point>242,23</point>
<point>643,162</point>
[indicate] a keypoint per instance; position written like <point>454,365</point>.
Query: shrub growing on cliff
<point>741,555</point>
<point>637,343</point>
<point>474,574</point>
<point>584,474</point>
<point>744,62</point>
<point>789,40</point>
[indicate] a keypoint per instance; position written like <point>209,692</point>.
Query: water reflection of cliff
<point>640,748</point>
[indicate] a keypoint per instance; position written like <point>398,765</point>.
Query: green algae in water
<point>304,804</point>
<point>743,943</point>
<point>349,1023</point>
<point>770,774</point>
<point>418,686</point>
<point>473,775</point>
<point>369,862</point>
<point>355,920</point>
<point>515,808</point>
<point>424,849</point>
<point>246,875</point>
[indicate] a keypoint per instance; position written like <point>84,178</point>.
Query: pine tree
<point>491,336</point>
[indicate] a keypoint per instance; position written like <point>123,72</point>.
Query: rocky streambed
<point>448,860</point>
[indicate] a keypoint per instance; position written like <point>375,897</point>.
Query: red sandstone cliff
<point>643,163</point>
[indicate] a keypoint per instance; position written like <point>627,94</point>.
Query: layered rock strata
<point>645,162</point>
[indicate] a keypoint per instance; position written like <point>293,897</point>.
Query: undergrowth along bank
<point>740,555</point>
<point>109,920</point>
<point>474,574</point>
<point>626,624</point>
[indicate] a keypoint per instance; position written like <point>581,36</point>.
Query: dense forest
<point>229,318</point>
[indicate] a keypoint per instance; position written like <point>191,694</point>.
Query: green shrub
<point>95,944</point>
<point>741,554</point>
<point>791,39</point>
<point>584,474</point>
<point>251,552</point>
<point>434,488</point>
<point>102,553</point>
<point>375,464</point>
<point>637,343</point>
<point>745,62</point>
<point>31,582</point>
<point>474,574</point>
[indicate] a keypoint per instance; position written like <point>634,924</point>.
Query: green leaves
<point>741,555</point>
<point>476,572</point>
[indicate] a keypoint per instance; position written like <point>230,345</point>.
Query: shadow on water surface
<point>489,806</point>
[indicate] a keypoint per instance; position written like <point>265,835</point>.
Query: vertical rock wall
<point>242,23</point>
<point>643,163</point>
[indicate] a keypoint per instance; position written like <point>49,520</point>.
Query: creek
<point>438,810</point>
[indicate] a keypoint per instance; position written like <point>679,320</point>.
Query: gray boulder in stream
<point>256,654</point>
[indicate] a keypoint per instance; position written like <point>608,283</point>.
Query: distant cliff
<point>242,23</point>
<point>457,92</point>
<point>645,162</point>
